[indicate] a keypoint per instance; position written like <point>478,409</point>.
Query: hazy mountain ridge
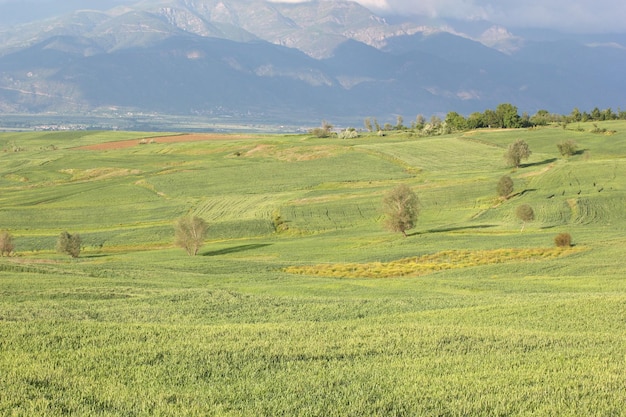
<point>302,61</point>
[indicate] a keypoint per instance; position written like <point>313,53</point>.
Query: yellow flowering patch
<point>425,264</point>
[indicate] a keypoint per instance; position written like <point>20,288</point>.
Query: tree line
<point>505,116</point>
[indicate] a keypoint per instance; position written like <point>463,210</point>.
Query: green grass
<point>135,327</point>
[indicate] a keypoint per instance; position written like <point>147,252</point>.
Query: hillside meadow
<point>332,316</point>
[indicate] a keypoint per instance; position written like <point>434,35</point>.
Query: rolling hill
<point>331,314</point>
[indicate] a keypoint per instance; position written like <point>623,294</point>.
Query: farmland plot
<point>330,315</point>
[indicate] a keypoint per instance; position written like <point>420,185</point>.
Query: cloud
<point>566,15</point>
<point>370,4</point>
<point>578,16</point>
<point>458,9</point>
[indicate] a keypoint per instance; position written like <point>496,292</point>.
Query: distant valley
<point>293,64</point>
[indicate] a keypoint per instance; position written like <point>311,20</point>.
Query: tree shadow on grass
<point>94,255</point>
<point>527,190</point>
<point>452,229</point>
<point>534,164</point>
<point>236,249</point>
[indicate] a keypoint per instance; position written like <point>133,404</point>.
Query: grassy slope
<point>129,331</point>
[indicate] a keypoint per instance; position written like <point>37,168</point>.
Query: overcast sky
<point>570,15</point>
<point>577,16</point>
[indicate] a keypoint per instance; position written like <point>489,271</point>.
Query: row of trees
<point>505,115</point>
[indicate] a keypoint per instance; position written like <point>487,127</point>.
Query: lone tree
<point>368,124</point>
<point>401,207</point>
<point>6,244</point>
<point>567,148</point>
<point>190,232</point>
<point>505,187</point>
<point>69,244</point>
<point>525,213</point>
<point>517,151</point>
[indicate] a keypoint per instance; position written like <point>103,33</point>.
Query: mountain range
<point>295,63</point>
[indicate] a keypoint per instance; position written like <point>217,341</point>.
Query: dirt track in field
<point>123,144</point>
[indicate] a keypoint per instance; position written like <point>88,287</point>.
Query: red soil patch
<point>122,144</point>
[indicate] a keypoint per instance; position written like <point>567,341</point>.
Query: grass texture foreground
<point>300,303</point>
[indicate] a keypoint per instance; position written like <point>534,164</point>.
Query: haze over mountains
<point>295,63</point>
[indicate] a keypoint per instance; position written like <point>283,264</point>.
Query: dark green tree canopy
<point>507,116</point>
<point>454,121</point>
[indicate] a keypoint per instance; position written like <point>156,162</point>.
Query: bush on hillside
<point>516,152</point>
<point>69,244</point>
<point>563,240</point>
<point>278,222</point>
<point>505,187</point>
<point>349,133</point>
<point>401,206</point>
<point>525,213</point>
<point>325,131</point>
<point>6,244</point>
<point>567,148</point>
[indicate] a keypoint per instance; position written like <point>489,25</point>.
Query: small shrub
<point>505,186</point>
<point>563,240</point>
<point>6,244</point>
<point>597,129</point>
<point>349,133</point>
<point>516,152</point>
<point>567,148</point>
<point>69,244</point>
<point>318,132</point>
<point>525,213</point>
<point>278,222</point>
<point>325,131</point>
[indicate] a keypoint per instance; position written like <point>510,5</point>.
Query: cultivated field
<point>333,316</point>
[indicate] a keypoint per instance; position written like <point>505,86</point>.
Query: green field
<point>335,316</point>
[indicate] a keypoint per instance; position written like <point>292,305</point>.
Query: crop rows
<point>470,316</point>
